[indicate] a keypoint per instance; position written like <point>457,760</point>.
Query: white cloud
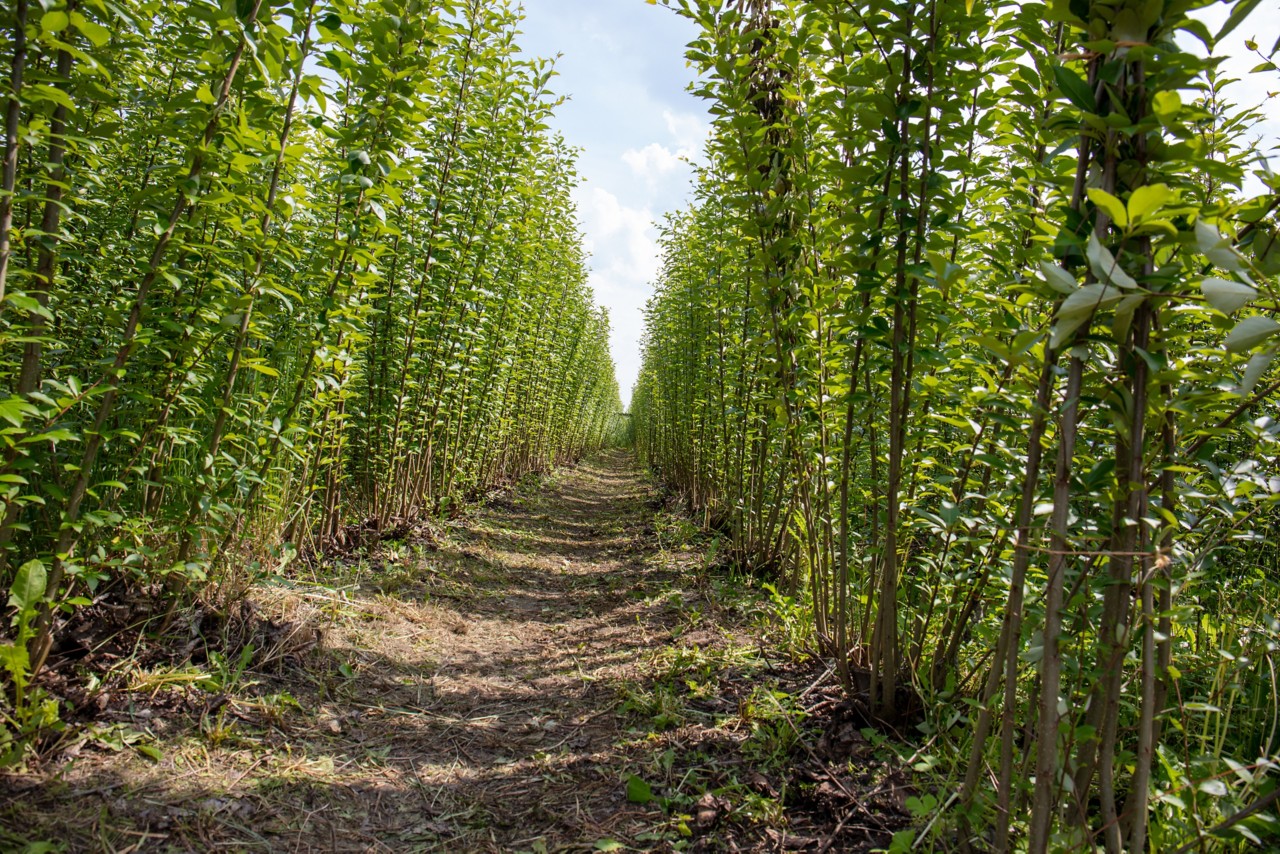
<point>652,160</point>
<point>599,34</point>
<point>656,161</point>
<point>689,130</point>
<point>625,233</point>
<point>623,243</point>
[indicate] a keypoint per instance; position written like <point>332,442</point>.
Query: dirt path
<point>522,737</point>
<point>551,678</point>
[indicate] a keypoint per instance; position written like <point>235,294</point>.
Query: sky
<point>1251,90</point>
<point>629,111</point>
<point>622,67</point>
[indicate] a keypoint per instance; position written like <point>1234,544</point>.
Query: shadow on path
<point>470,706</point>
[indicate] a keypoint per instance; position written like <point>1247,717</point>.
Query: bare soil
<point>560,673</point>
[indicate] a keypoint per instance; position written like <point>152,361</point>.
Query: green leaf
<point>1149,199</point>
<point>1266,250</point>
<point>1076,89</point>
<point>921,806</point>
<point>1166,104</point>
<point>1207,236</point>
<point>54,22</point>
<point>261,367</point>
<point>94,32</point>
<point>14,409</point>
<point>1109,203</point>
<point>1254,371</point>
<point>1246,776</point>
<point>1078,308</point>
<point>1123,319</point>
<point>1227,296</point>
<point>28,586</point>
<point>1217,248</point>
<point>1251,332</point>
<point>1241,10</point>
<point>1088,299</point>
<point>638,791</point>
<point>149,751</point>
<point>15,659</point>
<point>903,842</point>
<point>22,301</point>
<point>1105,266</point>
<point>1059,279</point>
<point>1216,788</point>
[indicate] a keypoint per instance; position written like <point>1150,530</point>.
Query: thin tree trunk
<point>12,119</point>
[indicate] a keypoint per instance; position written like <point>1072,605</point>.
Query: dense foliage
<point>968,343</point>
<point>271,270</point>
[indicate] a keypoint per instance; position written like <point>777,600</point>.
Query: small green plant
<point>789,624</point>
<point>25,595</point>
<point>660,705</point>
<point>226,673</point>
<point>675,533</point>
<point>772,716</point>
<point>116,737</point>
<point>32,712</point>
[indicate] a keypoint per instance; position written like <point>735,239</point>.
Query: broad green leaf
<point>15,659</point>
<point>15,409</point>
<point>54,22</point>
<point>1085,300</point>
<point>1109,203</point>
<point>1076,89</point>
<point>1254,371</point>
<point>1166,104</point>
<point>29,304</point>
<point>97,34</point>
<point>1078,308</point>
<point>1241,771</point>
<point>1266,250</point>
<point>1227,296</point>
<point>149,751</point>
<point>28,586</point>
<point>1216,788</point>
<point>1251,332</point>
<point>1105,266</point>
<point>1123,319</point>
<point>638,791</point>
<point>1059,279</point>
<point>1217,248</point>
<point>1149,199</point>
<point>261,367</point>
<point>1207,236</point>
<point>1241,10</point>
